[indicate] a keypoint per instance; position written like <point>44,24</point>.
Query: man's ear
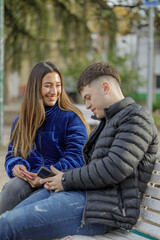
<point>106,87</point>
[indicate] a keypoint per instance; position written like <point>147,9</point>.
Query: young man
<point>107,191</point>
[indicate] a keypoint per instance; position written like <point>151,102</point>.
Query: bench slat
<point>151,203</point>
<point>155,178</point>
<point>148,228</point>
<point>150,216</point>
<point>153,191</point>
<point>81,237</point>
<point>113,235</point>
<point>116,235</point>
<point>157,166</point>
<point>121,234</point>
<point>102,237</point>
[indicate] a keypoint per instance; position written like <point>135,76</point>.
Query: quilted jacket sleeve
<point>133,137</point>
<point>76,135</point>
<point>12,160</point>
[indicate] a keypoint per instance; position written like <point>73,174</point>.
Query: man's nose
<point>88,105</point>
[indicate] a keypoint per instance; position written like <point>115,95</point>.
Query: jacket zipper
<point>83,222</point>
<point>95,133</point>
<point>122,207</point>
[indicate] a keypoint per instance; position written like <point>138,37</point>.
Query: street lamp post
<point>1,68</point>
<point>150,4</point>
<point>150,59</point>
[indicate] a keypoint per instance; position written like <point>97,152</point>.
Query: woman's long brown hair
<point>32,113</point>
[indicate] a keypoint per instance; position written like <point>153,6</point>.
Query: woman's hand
<point>17,173</point>
<point>55,182</point>
<point>34,183</point>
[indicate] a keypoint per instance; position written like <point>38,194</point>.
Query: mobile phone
<point>27,175</point>
<point>45,172</point>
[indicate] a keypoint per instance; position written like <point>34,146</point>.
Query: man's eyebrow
<point>85,96</point>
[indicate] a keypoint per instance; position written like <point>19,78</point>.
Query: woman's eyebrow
<point>46,83</point>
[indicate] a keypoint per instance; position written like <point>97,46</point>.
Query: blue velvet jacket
<point>59,142</point>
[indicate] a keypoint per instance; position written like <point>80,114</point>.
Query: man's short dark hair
<point>94,71</point>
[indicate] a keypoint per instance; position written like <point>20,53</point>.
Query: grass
<point>156,117</point>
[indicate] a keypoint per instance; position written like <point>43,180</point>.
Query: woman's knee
<point>15,186</point>
<point>14,191</point>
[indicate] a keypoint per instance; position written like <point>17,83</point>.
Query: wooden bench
<point>148,225</point>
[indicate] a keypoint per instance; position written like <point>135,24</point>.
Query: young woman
<point>49,130</point>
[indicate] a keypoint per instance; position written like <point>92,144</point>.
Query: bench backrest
<point>149,221</point>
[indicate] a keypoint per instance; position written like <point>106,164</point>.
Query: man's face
<point>95,99</point>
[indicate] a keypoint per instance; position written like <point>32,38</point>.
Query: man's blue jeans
<point>48,215</point>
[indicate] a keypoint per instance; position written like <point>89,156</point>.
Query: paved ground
<point>3,175</point>
<point>10,112</point>
<point>3,151</point>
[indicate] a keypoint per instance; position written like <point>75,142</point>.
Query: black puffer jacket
<point>120,155</point>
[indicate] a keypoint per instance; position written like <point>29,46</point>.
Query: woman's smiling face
<point>51,88</point>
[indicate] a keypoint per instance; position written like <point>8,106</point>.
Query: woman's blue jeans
<point>14,192</point>
<point>48,215</point>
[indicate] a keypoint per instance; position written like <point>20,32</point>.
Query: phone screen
<point>45,172</point>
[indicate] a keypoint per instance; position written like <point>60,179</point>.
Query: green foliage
<point>26,26</point>
<point>157,23</point>
<point>156,118</point>
<point>107,21</point>
<point>73,70</point>
<point>76,65</point>
<point>156,106</point>
<point>130,78</point>
<point>74,34</point>
<point>32,26</point>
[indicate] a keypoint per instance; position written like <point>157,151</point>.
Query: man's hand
<point>55,182</point>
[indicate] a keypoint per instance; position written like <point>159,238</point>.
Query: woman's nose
<point>53,90</point>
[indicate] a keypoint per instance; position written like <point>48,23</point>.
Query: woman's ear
<point>106,87</point>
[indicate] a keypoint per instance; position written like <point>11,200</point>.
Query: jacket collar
<point>49,110</point>
<point>117,107</point>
